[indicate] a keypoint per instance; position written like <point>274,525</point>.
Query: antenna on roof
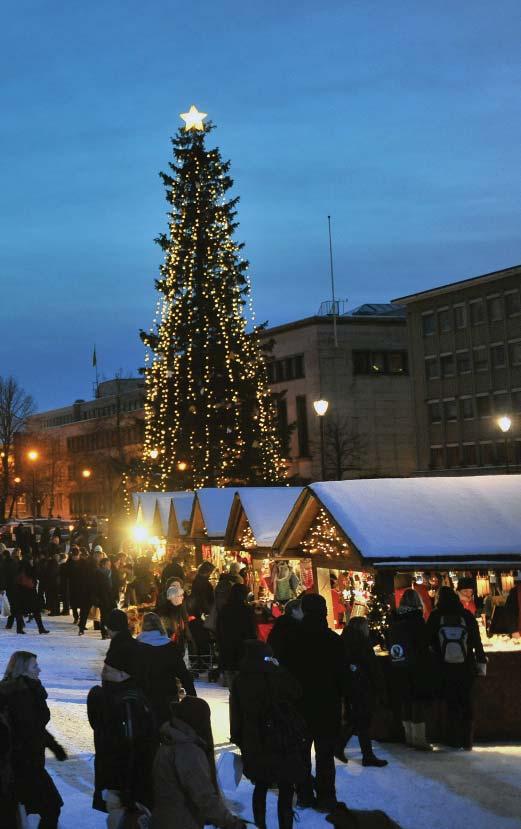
<point>334,305</point>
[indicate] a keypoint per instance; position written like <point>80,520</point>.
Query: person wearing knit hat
<point>466,593</point>
<point>186,793</point>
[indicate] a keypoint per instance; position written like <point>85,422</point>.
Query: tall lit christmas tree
<point>209,417</point>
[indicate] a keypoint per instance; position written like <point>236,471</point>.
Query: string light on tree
<point>248,540</point>
<point>208,403</point>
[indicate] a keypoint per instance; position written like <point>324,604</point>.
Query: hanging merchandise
<point>507,582</point>
<point>482,585</point>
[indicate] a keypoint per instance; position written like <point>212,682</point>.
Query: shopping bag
<point>5,608</point>
<point>229,770</point>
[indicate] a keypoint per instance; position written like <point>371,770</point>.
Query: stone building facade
<point>82,452</point>
<point>364,376</point>
<point>465,362</point>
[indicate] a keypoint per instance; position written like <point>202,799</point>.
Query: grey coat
<point>184,794</point>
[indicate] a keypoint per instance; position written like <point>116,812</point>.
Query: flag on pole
<point>94,360</point>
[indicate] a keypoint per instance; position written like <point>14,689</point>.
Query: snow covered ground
<point>442,790</point>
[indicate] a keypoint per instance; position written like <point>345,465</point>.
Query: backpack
<point>282,726</point>
<point>453,639</point>
<point>132,718</point>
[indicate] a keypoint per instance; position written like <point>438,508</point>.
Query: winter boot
<point>419,740</point>
<point>407,727</point>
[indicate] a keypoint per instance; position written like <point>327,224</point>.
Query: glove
<point>60,753</point>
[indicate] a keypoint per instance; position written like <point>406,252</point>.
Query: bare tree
<point>344,448</point>
<point>15,408</point>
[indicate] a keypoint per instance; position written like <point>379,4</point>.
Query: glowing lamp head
<point>182,466</point>
<point>139,533</point>
<point>504,423</point>
<point>86,473</point>
<point>320,407</point>
<point>32,455</point>
<point>154,453</point>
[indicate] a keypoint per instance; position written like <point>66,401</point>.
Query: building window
<point>470,455</point>
<point>282,422</point>
<point>428,324</point>
<point>436,457</point>
<point>483,405</point>
<point>377,362</point>
<point>502,403</point>
<point>434,408</point>
<point>450,410</point>
<point>495,308</point>
<point>514,350</point>
<point>447,365</point>
<point>516,400</point>
<point>453,456</point>
<point>463,362</point>
<point>501,453</point>
<point>513,304</point>
<point>477,312</point>
<point>444,321</point>
<point>432,371</point>
<point>467,408</point>
<point>498,356</point>
<point>460,316</point>
<point>480,358</point>
<point>287,368</point>
<point>486,451</point>
<point>302,426</point>
<point>380,362</point>
<point>397,362</point>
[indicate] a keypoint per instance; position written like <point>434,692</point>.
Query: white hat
<point>175,594</point>
<point>98,548</point>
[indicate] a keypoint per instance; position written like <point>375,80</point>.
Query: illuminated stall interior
<point>162,526</point>
<point>210,511</point>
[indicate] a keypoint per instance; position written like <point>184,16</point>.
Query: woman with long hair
<point>453,634</point>
<point>186,793</point>
<point>25,699</point>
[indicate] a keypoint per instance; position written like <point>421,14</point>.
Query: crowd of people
<point>306,687</point>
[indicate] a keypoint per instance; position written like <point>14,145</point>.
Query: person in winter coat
<point>235,625</point>
<point>11,567</point>
<point>265,724</point>
<point>82,587</point>
<point>104,593</point>
<point>25,699</point>
<point>125,742</point>
<point>512,609</point>
<point>52,581</point>
<point>202,595</point>
<point>453,634</point>
<point>364,686</point>
<point>186,793</point>
<point>410,667</point>
<point>164,667</point>
<point>316,661</point>
<point>285,629</point>
<point>27,600</point>
<point>174,615</point>
<point>172,570</point>
<point>73,582</point>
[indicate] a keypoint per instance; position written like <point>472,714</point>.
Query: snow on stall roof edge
<point>267,508</point>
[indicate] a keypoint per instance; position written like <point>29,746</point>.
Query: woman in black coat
<point>27,600</point>
<point>411,670</point>
<point>264,723</point>
<point>458,663</point>
<point>363,683</point>
<point>25,698</point>
<point>235,625</point>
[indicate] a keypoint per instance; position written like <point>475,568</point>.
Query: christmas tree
<point>209,417</point>
<point>378,617</point>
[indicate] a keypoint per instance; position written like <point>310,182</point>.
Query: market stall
<point>424,532</point>
<point>209,516</point>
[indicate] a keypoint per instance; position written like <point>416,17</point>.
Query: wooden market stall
<point>406,530</point>
<point>209,517</point>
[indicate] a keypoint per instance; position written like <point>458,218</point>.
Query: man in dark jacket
<point>104,593</point>
<point>173,570</point>
<point>52,582</point>
<point>316,661</point>
<point>10,569</point>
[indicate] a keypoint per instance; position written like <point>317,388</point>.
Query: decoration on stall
<point>378,617</point>
<point>482,585</point>
<point>323,538</point>
<point>248,539</point>
<point>210,417</point>
<point>127,501</point>
<point>507,582</point>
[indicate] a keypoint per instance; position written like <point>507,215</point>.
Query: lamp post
<point>33,456</point>
<point>321,407</point>
<point>505,424</point>
<point>85,474</point>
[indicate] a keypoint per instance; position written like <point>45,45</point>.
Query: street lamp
<point>321,407</point>
<point>182,466</point>
<point>505,423</point>
<point>86,473</point>
<point>33,456</point>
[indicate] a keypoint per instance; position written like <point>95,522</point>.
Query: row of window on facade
<point>364,362</point>
<point>107,411</point>
<point>489,453</point>
<point>480,358</point>
<point>301,424</point>
<point>107,439</point>
<point>478,311</point>
<point>467,408</point>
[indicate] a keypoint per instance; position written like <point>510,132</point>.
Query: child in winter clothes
<point>186,793</point>
<point>363,685</point>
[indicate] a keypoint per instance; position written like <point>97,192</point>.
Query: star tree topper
<point>193,119</point>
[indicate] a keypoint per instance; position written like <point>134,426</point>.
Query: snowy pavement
<point>442,790</point>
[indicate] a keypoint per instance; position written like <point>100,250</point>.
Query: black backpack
<point>132,718</point>
<point>282,726</point>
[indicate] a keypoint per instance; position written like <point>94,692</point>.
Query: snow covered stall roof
<point>210,511</point>
<point>264,509</point>
<point>166,512</point>
<point>416,520</point>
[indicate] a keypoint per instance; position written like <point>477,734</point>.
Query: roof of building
<point>463,283</point>
<point>377,309</point>
<point>266,509</point>
<point>344,319</point>
<point>183,502</point>
<point>414,518</point>
<point>215,504</point>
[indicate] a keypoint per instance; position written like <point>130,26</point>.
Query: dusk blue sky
<point>401,119</point>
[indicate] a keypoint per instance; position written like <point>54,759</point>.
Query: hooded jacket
<point>184,794</point>
<point>163,663</point>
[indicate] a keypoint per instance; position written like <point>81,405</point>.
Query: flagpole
<point>95,366</point>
